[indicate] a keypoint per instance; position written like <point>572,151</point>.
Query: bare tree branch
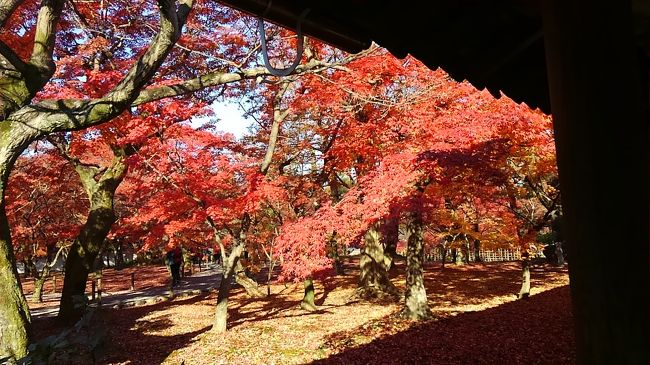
<point>278,117</point>
<point>46,22</point>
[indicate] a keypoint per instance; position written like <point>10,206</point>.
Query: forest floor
<point>477,320</point>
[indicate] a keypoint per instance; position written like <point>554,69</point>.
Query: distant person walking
<point>559,253</point>
<point>174,259</point>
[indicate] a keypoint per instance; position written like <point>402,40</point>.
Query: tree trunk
<point>30,267</point>
<point>27,126</point>
<point>229,263</point>
<point>477,251</point>
<point>91,239</point>
<point>333,247</point>
<point>390,236</point>
<point>39,281</point>
<point>268,277</point>
<point>221,314</point>
<point>250,285</point>
<point>458,257</point>
<point>14,312</point>
<point>307,302</point>
<point>416,306</point>
<point>443,253</point>
<point>374,265</point>
<point>524,293</point>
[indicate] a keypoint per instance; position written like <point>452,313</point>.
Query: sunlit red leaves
<point>45,202</point>
<point>467,143</point>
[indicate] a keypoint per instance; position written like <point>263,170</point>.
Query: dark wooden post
<point>54,283</point>
<point>132,281</point>
<point>600,115</point>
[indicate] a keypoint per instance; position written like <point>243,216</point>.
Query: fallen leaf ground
<point>476,321</point>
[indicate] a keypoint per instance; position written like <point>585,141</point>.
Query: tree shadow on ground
<point>534,331</point>
<point>477,282</point>
<point>248,309</point>
<point>134,325</point>
<point>472,284</point>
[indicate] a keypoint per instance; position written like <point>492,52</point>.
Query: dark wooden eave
<point>493,44</point>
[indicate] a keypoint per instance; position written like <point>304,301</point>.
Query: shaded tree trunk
<point>477,251</point>
<point>374,265</point>
<point>91,239</point>
<point>307,302</point>
<point>30,267</point>
<point>37,295</point>
<point>333,248</point>
<point>269,275</point>
<point>14,312</point>
<point>416,305</point>
<point>229,263</point>
<point>39,282</point>
<point>390,236</point>
<point>443,254</point>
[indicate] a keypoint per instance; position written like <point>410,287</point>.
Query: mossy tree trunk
<point>229,264</point>
<point>14,312</point>
<point>307,302</point>
<point>39,282</point>
<point>415,304</point>
<point>374,266</point>
<point>92,238</point>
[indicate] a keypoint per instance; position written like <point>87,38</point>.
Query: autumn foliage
<point>129,132</point>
